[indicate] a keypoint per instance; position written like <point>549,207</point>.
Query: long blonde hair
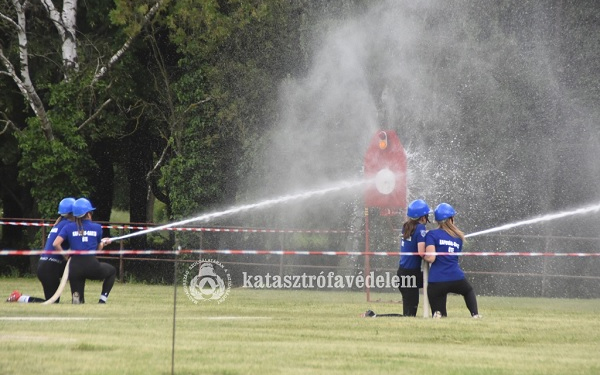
<point>448,226</point>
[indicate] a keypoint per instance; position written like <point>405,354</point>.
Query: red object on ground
<point>14,296</point>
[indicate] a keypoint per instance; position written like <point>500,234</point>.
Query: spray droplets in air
<point>560,215</point>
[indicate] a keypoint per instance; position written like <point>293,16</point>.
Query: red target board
<point>385,164</point>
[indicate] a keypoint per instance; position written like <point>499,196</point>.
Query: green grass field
<point>291,332</point>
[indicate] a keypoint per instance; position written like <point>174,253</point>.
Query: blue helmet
<point>81,207</point>
<point>66,206</point>
<point>444,211</point>
<point>417,208</point>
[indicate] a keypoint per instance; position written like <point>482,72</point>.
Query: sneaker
<point>14,296</point>
<point>476,316</point>
<point>369,314</point>
<point>76,300</point>
<point>437,315</point>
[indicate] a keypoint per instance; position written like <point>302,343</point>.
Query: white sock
<point>23,299</point>
<point>103,297</point>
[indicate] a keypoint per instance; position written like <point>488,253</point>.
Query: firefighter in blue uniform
<point>410,275</point>
<point>445,274</point>
<point>50,266</point>
<point>85,235</point>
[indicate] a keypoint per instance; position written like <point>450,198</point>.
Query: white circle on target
<point>385,181</point>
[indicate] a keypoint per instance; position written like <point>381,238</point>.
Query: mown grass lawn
<point>291,332</point>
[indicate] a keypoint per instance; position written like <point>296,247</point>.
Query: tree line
<point>132,103</point>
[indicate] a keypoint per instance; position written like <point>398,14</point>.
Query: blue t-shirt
<point>88,240</point>
<point>445,267</point>
<point>410,245</point>
<point>50,240</point>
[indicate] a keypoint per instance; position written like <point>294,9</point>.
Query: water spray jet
<point>343,185</point>
<point>549,217</point>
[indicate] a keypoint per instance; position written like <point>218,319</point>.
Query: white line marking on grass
<point>237,317</point>
<point>225,318</point>
<point>65,318</point>
<point>37,339</point>
<point>43,318</point>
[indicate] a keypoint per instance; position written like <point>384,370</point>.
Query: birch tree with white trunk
<point>65,21</point>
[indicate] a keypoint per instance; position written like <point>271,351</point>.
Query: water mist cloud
<point>479,95</point>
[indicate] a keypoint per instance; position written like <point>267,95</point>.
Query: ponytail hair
<point>449,227</point>
<point>408,228</point>
<point>79,221</point>
<point>58,220</point>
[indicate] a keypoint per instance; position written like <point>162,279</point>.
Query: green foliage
<point>234,53</point>
<point>198,27</point>
<point>205,78</point>
<point>160,212</point>
<point>118,216</point>
<point>194,181</point>
<point>10,272</point>
<point>53,169</point>
<point>58,168</point>
<point>130,15</point>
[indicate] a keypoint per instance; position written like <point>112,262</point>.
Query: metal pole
<point>43,233</point>
<point>121,266</point>
<point>201,244</point>
<point>426,307</point>
<point>367,250</point>
<point>174,310</point>
<point>282,239</point>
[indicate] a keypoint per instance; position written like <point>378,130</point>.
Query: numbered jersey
<point>445,267</point>
<point>85,238</point>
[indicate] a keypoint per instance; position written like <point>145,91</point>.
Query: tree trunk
<point>16,203</point>
<point>138,165</point>
<point>103,181</point>
<point>69,45</point>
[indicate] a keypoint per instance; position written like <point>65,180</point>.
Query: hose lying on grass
<point>61,286</point>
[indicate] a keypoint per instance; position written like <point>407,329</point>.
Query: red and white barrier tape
<point>26,223</point>
<point>189,229</point>
<point>286,252</point>
<point>231,230</point>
